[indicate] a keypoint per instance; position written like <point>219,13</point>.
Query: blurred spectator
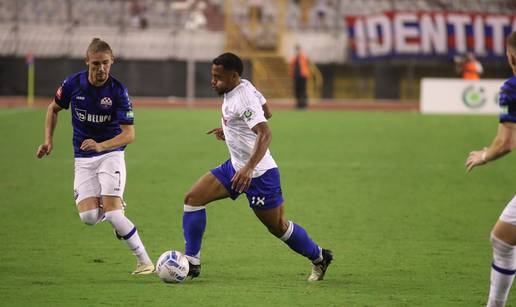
<point>469,67</point>
<point>304,8</point>
<point>137,12</point>
<point>196,19</point>
<point>299,70</point>
<point>267,34</point>
<point>256,10</point>
<point>293,15</point>
<point>322,10</point>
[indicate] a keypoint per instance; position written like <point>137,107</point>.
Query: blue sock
<point>194,223</point>
<point>299,241</point>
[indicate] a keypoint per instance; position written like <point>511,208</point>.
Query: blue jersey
<point>97,111</point>
<point>507,101</point>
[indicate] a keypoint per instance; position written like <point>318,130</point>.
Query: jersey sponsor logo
<point>96,118</point>
<point>79,97</point>
<point>81,114</point>
<point>106,102</point>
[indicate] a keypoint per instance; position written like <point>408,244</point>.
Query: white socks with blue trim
<point>125,228</point>
<point>502,272</point>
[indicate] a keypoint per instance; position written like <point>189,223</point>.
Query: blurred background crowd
<point>164,47</point>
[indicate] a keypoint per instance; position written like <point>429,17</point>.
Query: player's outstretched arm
<point>50,125</point>
<point>127,136</point>
<point>502,144</point>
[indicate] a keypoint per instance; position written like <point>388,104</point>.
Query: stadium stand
<point>263,32</point>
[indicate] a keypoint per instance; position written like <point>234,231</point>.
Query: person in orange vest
<point>300,72</point>
<point>470,68</point>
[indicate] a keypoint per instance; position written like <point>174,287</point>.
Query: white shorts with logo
<point>509,213</point>
<point>99,176</point>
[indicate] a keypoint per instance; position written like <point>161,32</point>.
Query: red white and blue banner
<point>428,34</point>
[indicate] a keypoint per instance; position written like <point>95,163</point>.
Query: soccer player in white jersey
<point>503,235</point>
<point>102,121</point>
<point>250,170</point>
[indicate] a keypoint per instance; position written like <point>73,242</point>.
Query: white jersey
<point>241,111</point>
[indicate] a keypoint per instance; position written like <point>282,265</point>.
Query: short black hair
<point>230,61</point>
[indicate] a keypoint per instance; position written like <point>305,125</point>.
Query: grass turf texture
<point>387,192</point>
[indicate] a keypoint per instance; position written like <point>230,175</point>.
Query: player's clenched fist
<point>43,149</point>
<point>91,145</point>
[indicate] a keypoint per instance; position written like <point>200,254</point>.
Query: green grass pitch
<point>387,192</point>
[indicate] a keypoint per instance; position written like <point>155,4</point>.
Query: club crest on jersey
<point>106,102</point>
<point>248,114</point>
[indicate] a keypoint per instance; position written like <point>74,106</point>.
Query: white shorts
<point>509,213</point>
<point>100,175</point>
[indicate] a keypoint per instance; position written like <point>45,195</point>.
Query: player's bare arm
<point>127,136</point>
<point>502,144</point>
<point>242,178</point>
<point>266,111</point>
<point>50,124</point>
<point>218,132</point>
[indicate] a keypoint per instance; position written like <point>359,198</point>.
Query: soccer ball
<point>172,267</point>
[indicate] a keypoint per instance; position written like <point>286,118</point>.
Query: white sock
<point>502,272</point>
<point>125,228</point>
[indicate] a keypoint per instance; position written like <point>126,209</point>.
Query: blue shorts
<point>264,191</point>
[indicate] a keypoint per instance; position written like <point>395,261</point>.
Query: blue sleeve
<point>62,97</point>
<point>124,109</point>
<point>507,101</point>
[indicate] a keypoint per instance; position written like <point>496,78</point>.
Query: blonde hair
<point>98,45</point>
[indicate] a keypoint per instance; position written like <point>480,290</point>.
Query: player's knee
<point>188,198</point>
<point>192,199</point>
<point>503,253</point>
<point>278,228</point>
<point>91,217</point>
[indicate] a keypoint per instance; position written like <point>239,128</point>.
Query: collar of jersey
<point>87,83</point>
<point>234,90</point>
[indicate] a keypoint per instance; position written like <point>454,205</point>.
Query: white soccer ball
<point>172,267</point>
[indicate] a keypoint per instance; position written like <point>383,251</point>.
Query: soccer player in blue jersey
<point>250,170</point>
<point>503,235</point>
<point>102,121</point>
